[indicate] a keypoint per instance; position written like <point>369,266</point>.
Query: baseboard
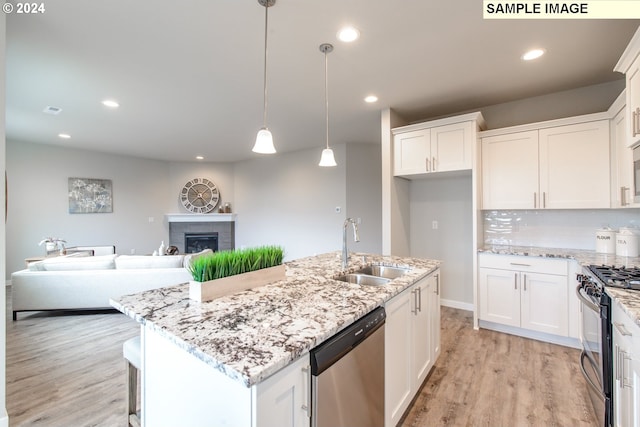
<point>456,304</point>
<point>534,335</point>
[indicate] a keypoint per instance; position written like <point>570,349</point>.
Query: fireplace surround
<point>220,225</point>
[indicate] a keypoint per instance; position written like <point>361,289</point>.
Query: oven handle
<point>583,355</point>
<point>587,302</point>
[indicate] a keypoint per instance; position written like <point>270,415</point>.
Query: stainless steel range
<point>596,359</point>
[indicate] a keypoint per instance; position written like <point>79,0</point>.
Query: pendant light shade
<point>327,159</point>
<point>264,139</point>
<point>264,142</point>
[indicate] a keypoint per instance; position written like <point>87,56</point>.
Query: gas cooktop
<point>618,277</point>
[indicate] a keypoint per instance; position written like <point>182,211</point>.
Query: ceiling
<point>188,75</point>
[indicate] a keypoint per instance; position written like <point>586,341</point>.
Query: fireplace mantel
<point>214,217</point>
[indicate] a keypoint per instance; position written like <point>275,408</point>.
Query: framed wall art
<point>89,195</point>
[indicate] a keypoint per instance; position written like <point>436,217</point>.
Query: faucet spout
<point>356,238</point>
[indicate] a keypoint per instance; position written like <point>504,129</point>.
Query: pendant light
<point>264,139</point>
<point>327,159</point>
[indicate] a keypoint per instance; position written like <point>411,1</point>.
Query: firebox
<point>196,242</point>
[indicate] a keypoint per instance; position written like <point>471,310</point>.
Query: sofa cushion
<point>66,263</point>
<point>188,258</point>
<point>146,261</point>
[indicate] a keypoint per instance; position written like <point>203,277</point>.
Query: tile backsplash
<point>554,228</point>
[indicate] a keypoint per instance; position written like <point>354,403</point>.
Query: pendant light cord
<point>266,20</point>
<point>326,93</point>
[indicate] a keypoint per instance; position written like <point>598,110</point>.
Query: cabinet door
<point>451,147</point>
<point>633,103</point>
<point>510,171</point>
<point>398,343</point>
<point>284,398</point>
<point>434,312</point>
<point>421,342</point>
<point>544,302</point>
<point>574,166</point>
<point>499,296</point>
<point>411,152</point>
<point>623,188</point>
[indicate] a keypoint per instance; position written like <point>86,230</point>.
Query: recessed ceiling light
<point>371,98</point>
<point>348,34</point>
<point>64,135</point>
<point>199,158</point>
<point>110,103</point>
<point>533,54</point>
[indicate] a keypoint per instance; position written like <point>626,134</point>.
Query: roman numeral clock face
<point>199,195</point>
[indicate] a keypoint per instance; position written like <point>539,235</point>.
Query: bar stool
<point>131,353</point>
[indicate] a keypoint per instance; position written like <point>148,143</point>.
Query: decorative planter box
<point>212,289</point>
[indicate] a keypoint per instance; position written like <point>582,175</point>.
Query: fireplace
<point>196,242</point>
<point>202,226</point>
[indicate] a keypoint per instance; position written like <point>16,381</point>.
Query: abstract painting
<point>89,195</point>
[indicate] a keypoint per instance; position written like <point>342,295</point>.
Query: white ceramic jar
<point>606,241</point>
<point>627,242</point>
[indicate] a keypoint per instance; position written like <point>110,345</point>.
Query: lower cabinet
<point>525,292</point>
<point>626,370</point>
<point>412,343</point>
<point>173,380</point>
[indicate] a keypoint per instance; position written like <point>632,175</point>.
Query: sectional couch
<point>89,282</point>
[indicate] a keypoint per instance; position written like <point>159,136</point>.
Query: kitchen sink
<point>363,279</point>
<point>383,271</point>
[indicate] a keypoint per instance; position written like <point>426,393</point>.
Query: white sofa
<point>89,282</point>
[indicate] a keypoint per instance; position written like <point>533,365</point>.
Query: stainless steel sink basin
<point>383,271</point>
<point>364,279</point>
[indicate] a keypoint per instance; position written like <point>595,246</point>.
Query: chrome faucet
<point>356,238</point>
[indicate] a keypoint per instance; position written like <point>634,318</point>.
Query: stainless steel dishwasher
<point>347,382</point>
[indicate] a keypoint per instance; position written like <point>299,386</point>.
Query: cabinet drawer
<point>626,327</point>
<point>524,263</point>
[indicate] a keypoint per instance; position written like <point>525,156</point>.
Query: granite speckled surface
<point>253,334</point>
<point>628,300</point>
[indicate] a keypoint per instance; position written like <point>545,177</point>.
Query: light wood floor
<point>67,371</point>
<point>486,378</point>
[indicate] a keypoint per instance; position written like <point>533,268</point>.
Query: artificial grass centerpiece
<point>230,263</point>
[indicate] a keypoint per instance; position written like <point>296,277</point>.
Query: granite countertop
<point>253,334</point>
<point>628,300</point>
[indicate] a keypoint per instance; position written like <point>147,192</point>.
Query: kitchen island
<point>220,357</point>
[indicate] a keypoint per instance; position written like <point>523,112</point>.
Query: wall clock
<point>199,195</point>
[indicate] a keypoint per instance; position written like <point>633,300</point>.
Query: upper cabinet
<point>547,166</point>
<point>438,146</point>
<point>629,65</point>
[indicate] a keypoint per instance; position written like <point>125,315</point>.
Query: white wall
<point>446,200</point>
<point>4,418</point>
<point>38,202</point>
<point>289,200</point>
<point>364,194</point>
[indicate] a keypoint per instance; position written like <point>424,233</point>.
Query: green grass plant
<point>229,263</point>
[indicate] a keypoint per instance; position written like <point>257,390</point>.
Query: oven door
<point>591,356</point>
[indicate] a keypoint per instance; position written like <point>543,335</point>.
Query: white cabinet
<point>510,171</point>
<point>172,376</point>
<point>439,146</point>
<point>524,292</point>
<point>411,347</point>
<point>622,160</point>
<point>554,167</point>
<point>629,64</point>
<point>626,369</point>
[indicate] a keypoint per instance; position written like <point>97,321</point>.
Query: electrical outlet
<point>151,219</point>
<point>434,225</point>
<point>359,220</point>
<point>133,251</point>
